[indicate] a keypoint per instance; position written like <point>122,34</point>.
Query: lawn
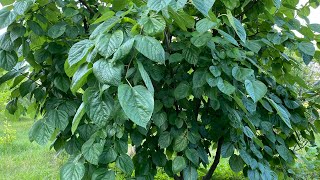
<point>24,160</point>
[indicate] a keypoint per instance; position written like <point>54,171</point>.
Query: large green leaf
<point>35,27</point>
<point>108,44</point>
<point>283,152</point>
<point>315,27</point>
<point>215,71</point>
<point>41,131</point>
<point>281,112</point>
<point>7,17</point>
<point>199,78</point>
<point>153,24</point>
<point>150,47</point>
<point>237,26</point>
<point>57,30</point>
<point>108,73</point>
<point>277,3</point>
<point>17,32</point>
<point>72,171</point>
<point>231,4</point>
<point>228,37</point>
<point>225,87</point>
<point>182,90</point>
<point>105,27</point>
<point>62,83</point>
<point>125,163</point>
<point>159,159</point>
<point>307,48</point>
<point>145,76</point>
<point>159,118</point>
<point>204,25</point>
<point>26,87</point>
<point>190,173</point>
<point>191,55</point>
<point>203,6</point>
<point>137,103</point>
<point>78,51</point>
<point>80,77</point>
<point>123,50</point>
<point>256,89</point>
<point>59,118</point>
<point>103,174</point>
<point>241,74</point>
<point>236,163</point>
<point>165,140</point>
<point>193,156</point>
<point>248,132</point>
<point>180,143</point>
<point>108,155</point>
<point>178,164</point>
<point>182,19</point>
<point>201,39</point>
<point>77,117</point>
<point>253,46</point>
<point>227,149</point>
<point>6,43</point>
<point>158,5</point>
<point>20,7</point>
<point>291,104</point>
<point>91,151</point>
<point>8,59</point>
<point>98,107</point>
<point>181,3</point>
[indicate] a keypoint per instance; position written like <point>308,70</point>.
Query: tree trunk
<point>215,162</point>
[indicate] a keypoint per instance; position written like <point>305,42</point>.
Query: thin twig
<point>22,74</point>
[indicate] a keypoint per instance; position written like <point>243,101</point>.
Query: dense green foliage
<point>174,78</point>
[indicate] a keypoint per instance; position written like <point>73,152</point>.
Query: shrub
<point>8,135</point>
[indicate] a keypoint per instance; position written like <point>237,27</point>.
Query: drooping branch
<point>215,162</point>
<point>87,6</point>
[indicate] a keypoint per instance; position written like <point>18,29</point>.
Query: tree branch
<point>87,6</point>
<point>85,25</point>
<point>215,162</point>
<point>197,108</point>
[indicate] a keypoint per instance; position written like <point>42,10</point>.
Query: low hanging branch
<point>215,162</point>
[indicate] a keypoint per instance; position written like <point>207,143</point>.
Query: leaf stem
<point>128,82</point>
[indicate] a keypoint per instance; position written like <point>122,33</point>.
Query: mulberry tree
<point>182,81</point>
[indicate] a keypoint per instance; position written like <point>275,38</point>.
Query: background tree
<point>175,78</point>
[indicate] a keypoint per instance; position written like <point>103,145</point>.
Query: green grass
<point>24,160</point>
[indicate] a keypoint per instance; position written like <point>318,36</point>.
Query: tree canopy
<point>180,80</point>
